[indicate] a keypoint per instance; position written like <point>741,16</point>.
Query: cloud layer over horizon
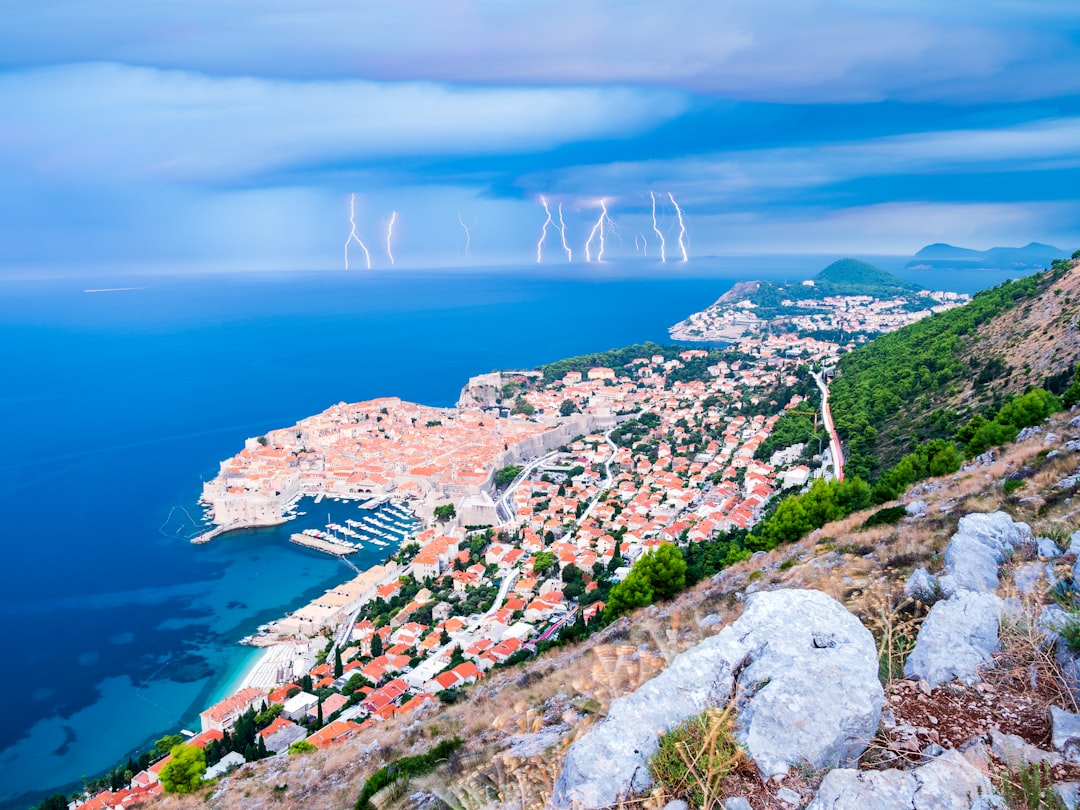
<point>231,134</point>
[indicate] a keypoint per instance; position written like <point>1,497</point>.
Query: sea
<point>122,392</point>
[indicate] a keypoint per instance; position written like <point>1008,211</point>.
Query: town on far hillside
<point>510,521</point>
<point>848,303</point>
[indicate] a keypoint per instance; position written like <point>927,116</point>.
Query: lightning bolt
<point>663,256</point>
<point>468,236</point>
<point>598,229</point>
<point>353,235</point>
<point>644,244</point>
<point>682,226</point>
<point>562,233</point>
<point>389,235</point>
<point>543,233</point>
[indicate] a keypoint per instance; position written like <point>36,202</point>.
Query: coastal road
<point>606,483</point>
<point>502,506</point>
<point>826,418</point>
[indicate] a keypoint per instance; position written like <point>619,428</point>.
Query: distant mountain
<point>854,277</point>
<point>941,256</point>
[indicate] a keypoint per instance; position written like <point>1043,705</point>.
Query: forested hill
<point>854,277</point>
<point>929,379</point>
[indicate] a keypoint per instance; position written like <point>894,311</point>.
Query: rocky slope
<point>799,633</point>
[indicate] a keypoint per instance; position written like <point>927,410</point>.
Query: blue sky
<point>231,134</point>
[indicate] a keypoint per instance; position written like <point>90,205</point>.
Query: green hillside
<point>927,380</point>
<point>854,277</point>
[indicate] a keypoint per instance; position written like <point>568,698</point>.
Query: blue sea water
<point>117,405</point>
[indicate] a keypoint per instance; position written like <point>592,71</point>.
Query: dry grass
<point>695,759</point>
<point>1026,662</point>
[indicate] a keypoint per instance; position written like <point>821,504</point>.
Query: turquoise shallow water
<point>117,405</point>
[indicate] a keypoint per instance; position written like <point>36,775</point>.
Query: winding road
<point>826,417</point>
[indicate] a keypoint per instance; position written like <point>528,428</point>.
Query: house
<point>223,714</point>
<point>422,699</point>
<point>444,680</point>
<point>296,707</point>
<point>333,733</point>
<point>467,672</point>
<point>227,763</point>
<point>384,696</point>
<point>330,704</point>
<point>285,735</point>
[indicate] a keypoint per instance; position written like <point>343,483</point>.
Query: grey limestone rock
<point>1045,547</point>
<point>737,803</point>
<point>957,637</point>
<point>946,783</point>
<point>981,544</point>
<point>971,566</point>
<point>1065,733</point>
<point>676,804</point>
<point>1013,749</point>
<point>920,585</point>
<point>1074,543</point>
<point>996,530</point>
<point>803,672</point>
<point>1068,483</point>
<point>788,796</point>
<point>1029,576</point>
<point>916,509</point>
<point>1069,793</point>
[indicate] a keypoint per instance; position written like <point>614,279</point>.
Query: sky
<point>237,135</point>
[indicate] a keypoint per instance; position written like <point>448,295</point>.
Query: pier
<point>217,531</point>
<point>325,546</point>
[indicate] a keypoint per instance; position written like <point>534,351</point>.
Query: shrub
<point>404,768</point>
<point>1069,631</point>
<point>694,757</point>
<point>888,516</point>
<point>1030,787</point>
<point>1013,485</point>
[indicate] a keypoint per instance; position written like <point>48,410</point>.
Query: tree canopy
<point>184,772</point>
<point>660,574</point>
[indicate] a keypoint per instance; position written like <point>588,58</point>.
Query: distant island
<point>941,256</point>
<point>848,302</point>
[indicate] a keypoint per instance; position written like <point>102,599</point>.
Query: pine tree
<point>338,667</point>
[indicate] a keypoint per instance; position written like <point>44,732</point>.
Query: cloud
<point>786,50</point>
<point>888,228</point>
<point>143,123</point>
<point>763,176</point>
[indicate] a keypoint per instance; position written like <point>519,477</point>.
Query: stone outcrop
<point>802,672</point>
<point>948,782</point>
<point>982,542</point>
<point>921,585</point>
<point>1065,733</point>
<point>961,633</point>
<point>957,637</point>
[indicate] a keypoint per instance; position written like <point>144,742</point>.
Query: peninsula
<point>849,302</point>
<point>430,456</point>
